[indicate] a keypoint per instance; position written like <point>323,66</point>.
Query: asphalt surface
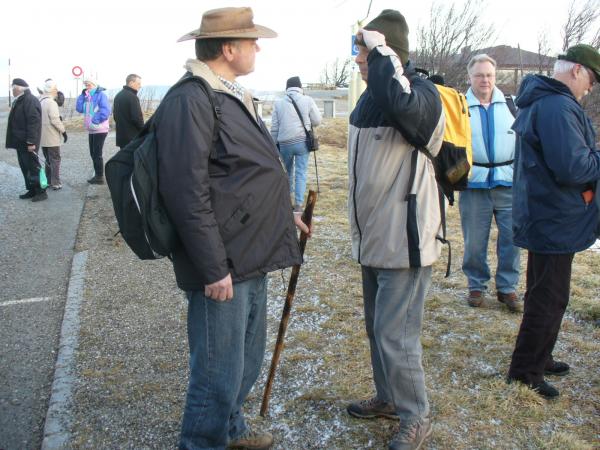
<point>36,251</point>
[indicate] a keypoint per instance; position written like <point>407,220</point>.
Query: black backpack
<point>132,178</point>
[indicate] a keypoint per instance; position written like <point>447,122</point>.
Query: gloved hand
<point>371,38</point>
<point>65,137</point>
<point>83,92</point>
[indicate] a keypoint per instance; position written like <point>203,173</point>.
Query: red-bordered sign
<point>77,71</point>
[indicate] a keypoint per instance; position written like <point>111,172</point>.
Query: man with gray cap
<point>24,133</point>
<point>555,214</point>
<point>395,220</point>
<point>228,198</point>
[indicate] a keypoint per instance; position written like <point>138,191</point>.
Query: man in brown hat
<point>393,193</point>
<point>555,214</point>
<point>229,201</point>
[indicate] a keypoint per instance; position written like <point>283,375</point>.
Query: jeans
<point>52,155</point>
<point>477,206</point>
<point>295,159</point>
<point>96,142</point>
<point>227,345</point>
<point>546,299</point>
<point>393,301</point>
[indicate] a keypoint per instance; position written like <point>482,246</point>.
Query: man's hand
<point>30,148</point>
<point>65,137</point>
<point>221,290</point>
<point>371,38</point>
<point>301,225</point>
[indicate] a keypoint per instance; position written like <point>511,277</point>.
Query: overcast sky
<point>112,38</point>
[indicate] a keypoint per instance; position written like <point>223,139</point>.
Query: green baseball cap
<point>586,55</point>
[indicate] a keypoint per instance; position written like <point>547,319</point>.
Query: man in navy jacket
<point>554,215</point>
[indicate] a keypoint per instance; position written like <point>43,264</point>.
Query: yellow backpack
<point>455,158</point>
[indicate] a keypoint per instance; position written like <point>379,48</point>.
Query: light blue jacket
<point>286,127</point>
<point>493,141</point>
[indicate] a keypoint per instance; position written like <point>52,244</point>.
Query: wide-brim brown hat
<point>229,23</point>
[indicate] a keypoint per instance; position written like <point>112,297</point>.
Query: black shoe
<point>98,179</point>
<point>557,368</point>
<point>26,195</point>
<point>39,197</point>
<point>543,388</point>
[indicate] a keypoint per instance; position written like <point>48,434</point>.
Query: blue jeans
<point>295,159</point>
<point>393,301</point>
<point>227,346</point>
<point>477,206</point>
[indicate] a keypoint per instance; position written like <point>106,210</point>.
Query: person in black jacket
<point>127,111</point>
<point>24,133</point>
<point>229,202</point>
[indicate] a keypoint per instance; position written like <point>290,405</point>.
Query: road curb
<point>56,427</point>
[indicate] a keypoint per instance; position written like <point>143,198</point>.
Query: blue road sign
<point>354,51</point>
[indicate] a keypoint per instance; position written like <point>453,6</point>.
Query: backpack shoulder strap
<point>510,102</point>
<point>299,114</point>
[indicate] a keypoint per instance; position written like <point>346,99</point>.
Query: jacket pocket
<point>238,218</point>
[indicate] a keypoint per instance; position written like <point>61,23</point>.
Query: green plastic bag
<point>43,179</point>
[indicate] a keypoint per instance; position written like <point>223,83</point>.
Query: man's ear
<point>227,50</point>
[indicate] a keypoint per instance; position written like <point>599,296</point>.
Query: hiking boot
<point>511,301</point>
<point>26,195</point>
<point>412,434</point>
<point>98,179</point>
<point>253,440</point>
<point>372,408</point>
<point>56,187</point>
<point>39,197</point>
<point>542,388</point>
<point>475,299</point>
<point>557,368</point>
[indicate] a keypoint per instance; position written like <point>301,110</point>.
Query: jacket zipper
<point>354,196</point>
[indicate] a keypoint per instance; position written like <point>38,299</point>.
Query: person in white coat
<point>289,133</point>
<point>53,132</point>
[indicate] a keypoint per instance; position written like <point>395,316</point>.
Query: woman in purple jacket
<point>95,107</point>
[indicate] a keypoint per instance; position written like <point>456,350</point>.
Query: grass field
<point>466,350</point>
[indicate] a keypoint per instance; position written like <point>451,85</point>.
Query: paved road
<point>36,250</point>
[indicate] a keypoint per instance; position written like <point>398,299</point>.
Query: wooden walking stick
<point>287,307</point>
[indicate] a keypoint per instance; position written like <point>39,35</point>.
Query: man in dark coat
<point>228,199</point>
<point>557,165</point>
<point>24,133</point>
<point>127,111</point>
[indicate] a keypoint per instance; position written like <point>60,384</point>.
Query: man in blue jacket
<point>489,192</point>
<point>554,215</point>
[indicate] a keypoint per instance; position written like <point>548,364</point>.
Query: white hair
<point>20,89</point>
<point>563,66</point>
<point>482,57</point>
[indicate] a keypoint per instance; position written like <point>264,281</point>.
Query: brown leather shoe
<point>475,299</point>
<point>252,440</point>
<point>511,301</point>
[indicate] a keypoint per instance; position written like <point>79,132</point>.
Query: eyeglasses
<point>592,76</point>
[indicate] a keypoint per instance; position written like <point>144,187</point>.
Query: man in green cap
<point>395,218</point>
<point>555,215</point>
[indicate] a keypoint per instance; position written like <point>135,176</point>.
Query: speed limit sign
<point>77,71</point>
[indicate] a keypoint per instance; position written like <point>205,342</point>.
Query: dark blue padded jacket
<point>555,162</point>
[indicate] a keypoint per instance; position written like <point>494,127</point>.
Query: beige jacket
<point>52,126</point>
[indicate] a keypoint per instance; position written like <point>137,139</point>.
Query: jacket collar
<point>497,97</point>
<point>129,88</point>
<point>201,69</point>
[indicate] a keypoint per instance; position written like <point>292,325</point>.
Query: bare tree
<point>543,50</point>
<point>337,73</point>
<point>581,18</point>
<point>444,44</point>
